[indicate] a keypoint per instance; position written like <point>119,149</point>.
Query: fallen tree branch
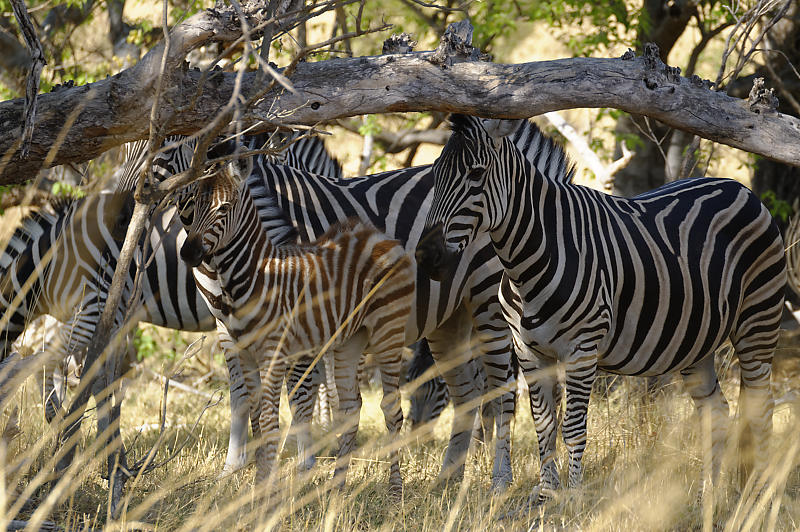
<point>115,112</point>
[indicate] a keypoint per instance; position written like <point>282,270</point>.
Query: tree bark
<point>771,175</point>
<point>110,112</point>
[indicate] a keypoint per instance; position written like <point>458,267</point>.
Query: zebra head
<point>466,191</point>
<point>174,157</point>
<point>213,205</point>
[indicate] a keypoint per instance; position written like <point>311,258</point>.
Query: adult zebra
<point>638,286</point>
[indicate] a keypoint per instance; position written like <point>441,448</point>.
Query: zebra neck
<point>529,231</point>
<point>238,260</point>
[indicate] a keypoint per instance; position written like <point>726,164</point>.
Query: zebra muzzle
<point>433,258</point>
<point>192,251</point>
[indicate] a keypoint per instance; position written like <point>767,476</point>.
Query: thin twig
<point>37,64</point>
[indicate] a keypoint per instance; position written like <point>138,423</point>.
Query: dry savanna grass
<point>643,467</point>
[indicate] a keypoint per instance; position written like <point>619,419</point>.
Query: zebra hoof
<point>307,464</point>
<point>230,469</point>
<point>501,483</point>
<point>396,493</point>
<point>452,473</point>
<point>541,494</point>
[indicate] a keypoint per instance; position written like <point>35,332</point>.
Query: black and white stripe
<point>348,292</point>
<point>640,286</point>
<point>397,203</point>
<point>428,397</point>
<point>80,235</point>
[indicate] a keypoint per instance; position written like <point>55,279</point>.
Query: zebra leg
<point>581,369</point>
<point>327,393</point>
<point>271,370</point>
<point>542,380</point>
<point>301,401</point>
<point>755,343</point>
<point>50,396</point>
<point>390,362</point>
<point>500,379</point>
<point>702,384</point>
<point>493,340</point>
<point>451,356</point>
<point>345,367</point>
<point>240,404</point>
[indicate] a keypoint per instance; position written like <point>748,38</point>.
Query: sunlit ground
<point>643,467</point>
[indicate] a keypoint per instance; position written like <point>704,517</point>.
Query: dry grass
<point>642,471</point>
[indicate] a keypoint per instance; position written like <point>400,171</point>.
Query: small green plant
<point>778,208</point>
<point>370,126</point>
<point>66,190</point>
<point>145,344</point>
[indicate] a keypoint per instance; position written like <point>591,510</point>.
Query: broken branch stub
<point>456,46</point>
<point>399,43</point>
<point>761,99</point>
<point>34,75</point>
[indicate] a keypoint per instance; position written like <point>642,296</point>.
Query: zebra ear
<point>241,169</point>
<point>498,129</point>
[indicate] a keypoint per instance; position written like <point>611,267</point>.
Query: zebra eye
<point>475,173</point>
<point>224,208</point>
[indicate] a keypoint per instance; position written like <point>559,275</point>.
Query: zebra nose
<point>431,253</point>
<point>119,214</point>
<point>429,257</point>
<point>192,250</point>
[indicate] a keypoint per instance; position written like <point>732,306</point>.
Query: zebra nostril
<point>436,257</point>
<point>192,251</point>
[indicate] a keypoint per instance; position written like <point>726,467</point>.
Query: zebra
<point>82,254</point>
<point>169,294</point>
<point>430,397</point>
<point>349,291</point>
<point>396,203</point>
<point>639,286</point>
<point>443,311</point>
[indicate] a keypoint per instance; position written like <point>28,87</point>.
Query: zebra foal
<point>351,290</point>
<point>640,286</point>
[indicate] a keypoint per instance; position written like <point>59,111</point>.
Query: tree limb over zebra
<point>110,112</point>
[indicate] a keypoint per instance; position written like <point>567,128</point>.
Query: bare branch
<point>604,174</point>
<point>37,64</point>
<point>397,141</point>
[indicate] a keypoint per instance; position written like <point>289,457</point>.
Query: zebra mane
<point>464,124</point>
<point>308,153</point>
<point>315,145</point>
<point>279,228</point>
<point>52,208</point>
<point>544,153</point>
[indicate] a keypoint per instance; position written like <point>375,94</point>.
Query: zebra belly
<point>628,345</point>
